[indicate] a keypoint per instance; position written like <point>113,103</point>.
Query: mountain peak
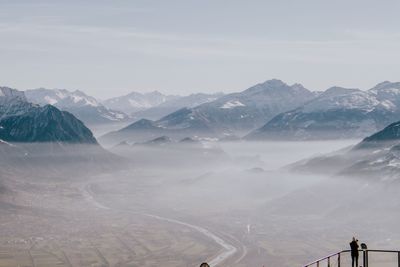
<point>142,124</point>
<point>79,92</point>
<point>274,82</point>
<point>135,101</point>
<point>336,90</point>
<point>83,106</point>
<point>61,97</point>
<point>270,85</point>
<point>275,86</point>
<point>298,85</point>
<point>386,85</point>
<point>28,123</point>
<point>11,93</point>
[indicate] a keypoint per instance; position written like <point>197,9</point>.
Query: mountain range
<point>134,101</point>
<point>336,113</point>
<point>92,112</point>
<point>172,105</point>
<point>291,112</point>
<point>84,107</point>
<point>231,114</point>
<point>267,111</point>
<point>46,140</point>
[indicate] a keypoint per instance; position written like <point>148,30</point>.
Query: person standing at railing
<point>354,252</point>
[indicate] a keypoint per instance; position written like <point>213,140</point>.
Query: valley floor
<point>247,214</point>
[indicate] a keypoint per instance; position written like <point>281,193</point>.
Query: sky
<point>110,48</point>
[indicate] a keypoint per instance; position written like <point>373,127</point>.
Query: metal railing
<point>338,258</point>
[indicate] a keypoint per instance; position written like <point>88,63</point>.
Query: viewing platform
<point>367,258</point>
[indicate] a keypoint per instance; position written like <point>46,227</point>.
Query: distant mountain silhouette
<point>135,102</point>
<point>175,104</point>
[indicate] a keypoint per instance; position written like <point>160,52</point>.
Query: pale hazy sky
<point>108,48</point>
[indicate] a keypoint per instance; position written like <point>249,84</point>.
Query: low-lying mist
<point>175,204</point>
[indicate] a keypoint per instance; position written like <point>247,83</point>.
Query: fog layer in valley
<point>175,204</point>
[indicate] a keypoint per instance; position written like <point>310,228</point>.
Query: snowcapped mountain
<point>61,97</point>
<point>235,113</point>
<point>7,93</point>
<point>336,113</point>
<point>84,107</point>
<point>175,104</point>
<point>134,102</point>
<point>12,102</point>
<point>388,94</point>
<point>238,113</point>
<point>21,121</point>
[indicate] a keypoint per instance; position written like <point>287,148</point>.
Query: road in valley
<point>229,250</point>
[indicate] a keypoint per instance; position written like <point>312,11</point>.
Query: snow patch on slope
<point>232,104</point>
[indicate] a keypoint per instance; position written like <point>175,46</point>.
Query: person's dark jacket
<point>354,248</point>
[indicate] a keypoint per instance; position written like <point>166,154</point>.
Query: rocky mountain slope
<point>377,157</point>
<point>22,121</point>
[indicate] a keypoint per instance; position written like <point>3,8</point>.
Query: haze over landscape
<point>137,133</point>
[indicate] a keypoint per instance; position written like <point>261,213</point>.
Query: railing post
<point>329,262</point>
<point>366,258</point>
<point>398,258</point>
<point>338,260</point>
<point>317,263</point>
